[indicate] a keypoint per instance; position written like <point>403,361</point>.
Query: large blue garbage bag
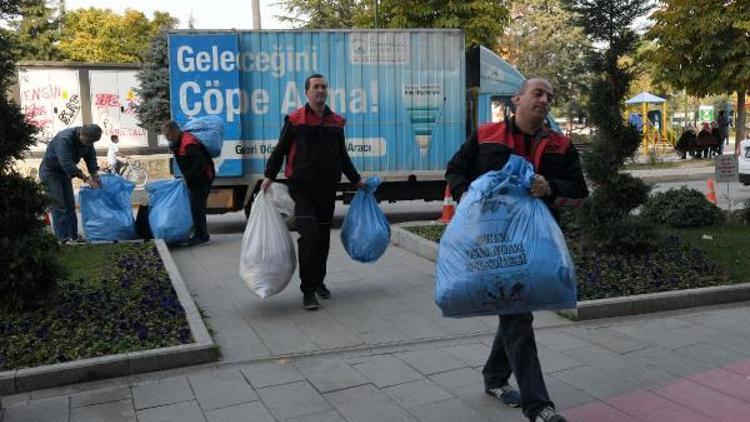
<point>106,212</point>
<point>503,252</point>
<point>210,132</point>
<point>169,210</point>
<point>365,232</point>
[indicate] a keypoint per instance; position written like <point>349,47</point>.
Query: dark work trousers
<point>198,196</point>
<point>313,211</point>
<point>514,351</point>
<point>59,187</point>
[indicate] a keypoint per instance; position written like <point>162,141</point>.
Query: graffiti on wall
<point>114,104</point>
<point>50,100</point>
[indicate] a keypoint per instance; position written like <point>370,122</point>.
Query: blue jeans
<point>59,187</point>
<point>514,352</point>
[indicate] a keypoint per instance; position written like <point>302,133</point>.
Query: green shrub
<point>745,212</point>
<point>28,267</point>
<point>682,207</point>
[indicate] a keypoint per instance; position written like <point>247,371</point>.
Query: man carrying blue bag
<point>558,175</point>
<point>197,168</point>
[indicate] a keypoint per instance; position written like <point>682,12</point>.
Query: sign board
<point>705,113</point>
<point>402,92</point>
<point>726,168</point>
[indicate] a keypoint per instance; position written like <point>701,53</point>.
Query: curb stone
<point>202,350</point>
<point>602,308</point>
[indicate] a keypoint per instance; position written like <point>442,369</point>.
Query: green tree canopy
<point>606,218</point>
<point>103,36</point>
<point>541,40</point>
<point>704,47</point>
<point>38,31</point>
<point>482,20</point>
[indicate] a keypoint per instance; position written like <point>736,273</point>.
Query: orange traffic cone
<point>711,195</point>
<point>448,207</point>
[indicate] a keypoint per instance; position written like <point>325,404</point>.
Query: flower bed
<point>683,260</point>
<point>116,298</point>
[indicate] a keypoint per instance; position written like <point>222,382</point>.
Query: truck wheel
<point>247,208</point>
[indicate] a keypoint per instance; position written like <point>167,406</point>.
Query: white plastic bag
<point>278,193</point>
<point>267,259</point>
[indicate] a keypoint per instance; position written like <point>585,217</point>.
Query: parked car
<point>744,162</point>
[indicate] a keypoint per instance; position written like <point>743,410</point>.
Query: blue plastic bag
<point>365,232</point>
<point>503,252</point>
<point>210,132</point>
<point>106,212</point>
<point>169,210</point>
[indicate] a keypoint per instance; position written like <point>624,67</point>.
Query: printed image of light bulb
<point>423,103</point>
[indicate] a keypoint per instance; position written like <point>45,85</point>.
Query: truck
<point>410,97</point>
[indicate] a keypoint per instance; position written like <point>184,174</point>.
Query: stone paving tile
<point>118,411</point>
<point>742,368</point>
<point>559,341</point>
<point>367,404</point>
<point>430,362</point>
<point>452,410</point>
<point>712,354</point>
<point>597,412</point>
<point>623,367</point>
<point>267,374</point>
<point>670,361</point>
<point>182,412</point>
<point>416,393</point>
<point>292,400</point>
<point>218,389</point>
<point>475,398</point>
<point>641,403</point>
<point>719,322</point>
<point>473,354</point>
<point>457,378</point>
<point>47,410</point>
<point>565,395</point>
<point>553,361</point>
<point>162,392</point>
<point>726,382</point>
<point>609,339</point>
<point>329,374</point>
<point>106,395</point>
<point>594,382</point>
<point>720,407</point>
<point>330,416</point>
<point>245,412</point>
<point>386,370</point>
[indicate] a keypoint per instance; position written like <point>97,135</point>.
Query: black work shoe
<point>310,302</point>
<point>323,292</point>
<point>547,414</point>
<point>199,240</point>
<point>505,394</point>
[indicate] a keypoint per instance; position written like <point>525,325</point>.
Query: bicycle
<point>131,172</point>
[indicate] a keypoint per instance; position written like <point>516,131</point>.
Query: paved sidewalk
<point>379,351</point>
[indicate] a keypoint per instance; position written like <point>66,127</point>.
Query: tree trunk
<point>740,121</point>
<point>255,6</point>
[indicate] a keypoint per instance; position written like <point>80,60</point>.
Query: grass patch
<point>115,298</point>
<point>728,246</point>
<point>682,260</point>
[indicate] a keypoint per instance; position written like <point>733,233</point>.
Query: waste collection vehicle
<point>409,97</point>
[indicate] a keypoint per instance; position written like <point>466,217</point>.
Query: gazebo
<point>645,99</point>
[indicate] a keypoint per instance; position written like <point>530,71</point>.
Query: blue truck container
<point>403,93</point>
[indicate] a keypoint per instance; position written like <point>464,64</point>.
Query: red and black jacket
<point>194,161</point>
<point>315,149</point>
<point>552,154</point>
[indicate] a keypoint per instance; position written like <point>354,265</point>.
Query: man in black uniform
<point>58,169</point>
<point>197,168</point>
<point>558,175</point>
<point>312,140</point>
